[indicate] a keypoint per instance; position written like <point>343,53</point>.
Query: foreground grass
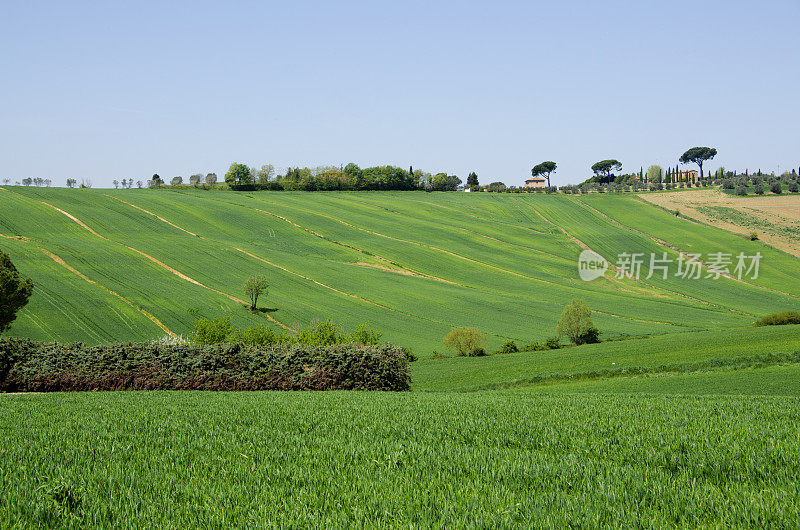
<point>495,459</point>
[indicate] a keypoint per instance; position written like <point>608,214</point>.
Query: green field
<point>690,420</point>
<point>488,459</point>
<point>412,264</point>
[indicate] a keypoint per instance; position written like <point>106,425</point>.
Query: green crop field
<point>138,264</point>
<point>487,459</point>
<point>689,420</point>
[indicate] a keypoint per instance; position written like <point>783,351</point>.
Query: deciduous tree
<point>254,287</point>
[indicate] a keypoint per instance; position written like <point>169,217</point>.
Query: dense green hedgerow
<point>779,319</point>
<point>31,366</point>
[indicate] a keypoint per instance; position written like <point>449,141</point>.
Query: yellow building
<point>535,182</point>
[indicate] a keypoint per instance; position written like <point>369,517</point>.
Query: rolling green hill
<point>139,264</point>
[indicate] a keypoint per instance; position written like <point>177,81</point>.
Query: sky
<point>113,90</point>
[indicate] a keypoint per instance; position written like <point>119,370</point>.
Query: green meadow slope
<point>139,264</point>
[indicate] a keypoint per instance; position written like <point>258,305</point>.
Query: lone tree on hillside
<point>543,170</point>
<point>604,169</point>
<point>576,323</point>
<point>472,180</point>
<point>466,341</point>
<point>239,174</point>
<point>254,287</point>
<point>14,293</point>
<point>698,155</point>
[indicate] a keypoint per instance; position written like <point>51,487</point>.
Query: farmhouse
<point>535,182</point>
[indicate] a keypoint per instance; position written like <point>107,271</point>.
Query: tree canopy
<point>239,174</point>
<point>698,155</point>
<point>544,169</point>
<point>472,180</point>
<point>14,292</point>
<point>606,167</point>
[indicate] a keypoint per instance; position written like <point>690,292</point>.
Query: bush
<point>590,336</point>
<point>553,343</point>
<point>28,366</point>
<point>793,188</point>
<point>727,184</point>
<point>324,333</point>
<point>741,190</point>
<point>364,334</point>
<point>213,331</point>
<point>759,189</point>
<point>753,236</point>
<point>776,187</point>
<point>779,319</point>
<point>466,341</point>
<point>508,347</point>
<point>260,336</point>
<point>409,354</point>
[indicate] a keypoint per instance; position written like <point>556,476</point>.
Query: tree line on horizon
<point>351,177</point>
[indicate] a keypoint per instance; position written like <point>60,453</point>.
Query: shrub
<point>793,188</point>
<point>741,190</point>
<point>553,343</point>
<point>409,354</point>
<point>213,331</point>
<point>477,352</point>
<point>325,333</point>
<point>590,336</point>
<point>759,189</point>
<point>364,334</point>
<point>753,236</point>
<point>575,321</point>
<point>28,366</point>
<point>465,341</point>
<point>508,346</point>
<point>779,319</point>
<point>727,184</point>
<point>261,336</point>
<point>775,187</point>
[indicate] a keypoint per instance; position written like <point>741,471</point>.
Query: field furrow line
<point>151,213</point>
<point>424,245</point>
<point>263,260</point>
<point>677,249</point>
<point>163,265</point>
<point>76,272</point>
<point>411,271</point>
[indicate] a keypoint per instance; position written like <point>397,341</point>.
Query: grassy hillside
<point>137,264</point>
<point>662,353</point>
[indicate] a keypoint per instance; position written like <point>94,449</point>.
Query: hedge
<point>28,366</point>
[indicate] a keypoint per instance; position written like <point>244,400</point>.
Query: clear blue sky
<point>128,89</point>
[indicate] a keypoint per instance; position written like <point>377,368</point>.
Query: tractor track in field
<point>78,273</point>
<point>151,213</point>
<point>263,260</point>
<point>403,270</point>
<point>612,268</point>
<point>677,249</point>
<point>538,251</point>
<point>481,218</point>
<point>471,260</point>
<point>160,263</point>
<point>423,245</point>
